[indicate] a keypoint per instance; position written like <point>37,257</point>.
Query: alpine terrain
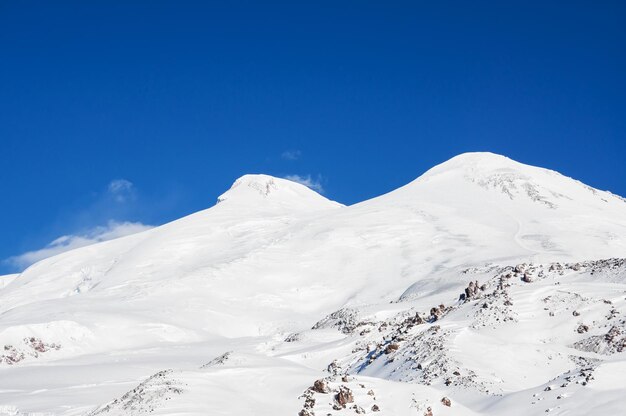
<point>483,287</point>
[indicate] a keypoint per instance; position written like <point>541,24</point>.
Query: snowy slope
<point>5,280</point>
<point>285,282</point>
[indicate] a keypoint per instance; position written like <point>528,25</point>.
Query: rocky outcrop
<point>147,397</point>
<point>392,347</point>
<point>320,386</point>
<point>31,347</point>
<point>346,320</point>
<point>472,291</point>
<point>582,328</point>
<point>437,312</point>
<point>294,337</point>
<point>614,341</point>
<point>344,396</point>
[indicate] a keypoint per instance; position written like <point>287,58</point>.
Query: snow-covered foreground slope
<point>495,285</point>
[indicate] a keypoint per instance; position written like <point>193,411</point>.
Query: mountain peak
<point>252,184</point>
<point>468,157</point>
<point>467,175</point>
<point>259,189</point>
<point>472,161</point>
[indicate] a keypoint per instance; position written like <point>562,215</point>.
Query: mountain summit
<point>255,190</point>
<point>515,181</point>
<point>485,286</point>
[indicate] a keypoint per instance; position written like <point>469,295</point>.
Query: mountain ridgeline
<point>483,287</point>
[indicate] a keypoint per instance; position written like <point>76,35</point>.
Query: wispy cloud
<point>122,190</point>
<point>110,231</point>
<point>115,211</point>
<point>291,154</point>
<point>315,184</point>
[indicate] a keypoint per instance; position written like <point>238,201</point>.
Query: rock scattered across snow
<point>147,397</point>
<point>31,347</point>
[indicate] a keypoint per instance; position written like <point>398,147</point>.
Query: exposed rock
<point>614,341</point>
<point>434,314</point>
<point>375,408</point>
<point>221,360</point>
<point>293,337</point>
<point>437,312</point>
<point>148,396</point>
<point>391,348</point>
<point>344,396</point>
<point>320,386</point>
<point>358,409</point>
<point>582,328</point>
<point>309,402</point>
<point>334,368</point>
<point>472,291</point>
<point>11,355</point>
<point>346,320</point>
<point>413,320</point>
<point>446,402</point>
<point>33,347</point>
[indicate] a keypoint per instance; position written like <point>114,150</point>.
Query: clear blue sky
<point>175,100</point>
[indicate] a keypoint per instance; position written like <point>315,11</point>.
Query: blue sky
<point>118,114</point>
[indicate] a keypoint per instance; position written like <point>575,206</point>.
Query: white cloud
<point>121,190</point>
<point>65,243</point>
<point>314,184</point>
<point>291,154</point>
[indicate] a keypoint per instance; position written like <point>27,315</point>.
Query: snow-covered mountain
<point>485,284</point>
